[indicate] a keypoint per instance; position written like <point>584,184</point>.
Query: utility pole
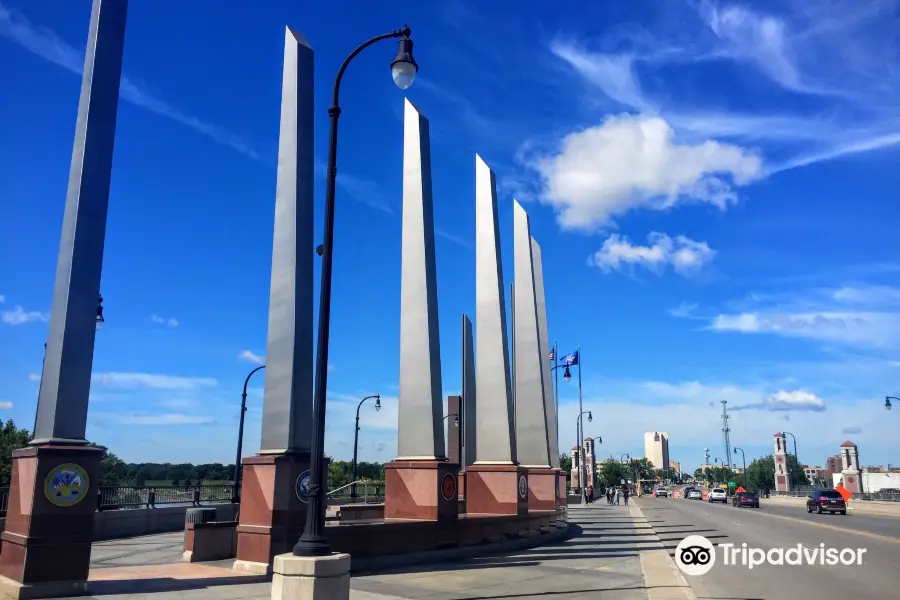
<point>726,432</point>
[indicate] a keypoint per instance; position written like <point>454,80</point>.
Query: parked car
<point>826,501</point>
<point>686,492</point>
<point>661,492</point>
<point>745,499</point>
<point>695,494</point>
<point>718,495</point>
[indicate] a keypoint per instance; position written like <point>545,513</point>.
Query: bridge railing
<point>129,497</point>
<point>876,496</point>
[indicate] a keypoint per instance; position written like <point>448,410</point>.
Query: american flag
<point>552,353</point>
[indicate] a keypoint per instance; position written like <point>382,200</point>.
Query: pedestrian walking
<point>609,495</point>
<point>590,494</point>
<point>625,495</point>
<point>617,496</point>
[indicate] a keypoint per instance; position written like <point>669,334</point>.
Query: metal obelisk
<point>531,418</point>
<point>544,337</point>
<point>496,432</point>
<point>287,399</point>
<point>468,395</point>
<point>420,432</point>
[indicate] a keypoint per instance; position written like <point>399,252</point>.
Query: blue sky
<point>710,183</point>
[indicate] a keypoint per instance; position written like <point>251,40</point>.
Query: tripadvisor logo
<point>696,555</point>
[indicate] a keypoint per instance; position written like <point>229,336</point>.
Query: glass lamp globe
<point>404,67</point>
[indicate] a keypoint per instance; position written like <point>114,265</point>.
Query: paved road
<point>769,527</point>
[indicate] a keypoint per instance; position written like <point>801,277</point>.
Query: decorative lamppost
<point>744,457</point>
<point>887,401</point>
<point>236,490</point>
<point>582,471</point>
<point>100,319</point>
<point>356,439</point>
<point>796,458</point>
<point>403,70</point>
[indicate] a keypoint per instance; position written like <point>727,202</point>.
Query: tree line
<point>116,472</point>
<point>760,475</point>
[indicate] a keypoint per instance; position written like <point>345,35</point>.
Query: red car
<point>748,499</point>
<point>826,501</point>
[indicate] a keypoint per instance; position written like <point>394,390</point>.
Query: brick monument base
<point>422,490</point>
<point>542,488</point>
<point>496,489</point>
<point>50,521</point>
<point>273,508</point>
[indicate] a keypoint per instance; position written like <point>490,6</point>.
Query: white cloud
<point>45,43</point>
<point>851,430</point>
<point>6,405</point>
<point>164,419</point>
<point>683,310</point>
<point>150,380</point>
<point>864,329</point>
<point>631,162</point>
<point>2,298</point>
<point>781,401</point>
<point>167,321</point>
<point>20,316</point>
<point>250,357</point>
<point>684,255</point>
<point>34,376</point>
<point>612,73</point>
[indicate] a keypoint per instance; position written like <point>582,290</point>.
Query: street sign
<point>621,482</point>
<point>731,484</point>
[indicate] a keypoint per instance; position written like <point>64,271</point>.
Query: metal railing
<point>368,496</point>
<point>130,497</point>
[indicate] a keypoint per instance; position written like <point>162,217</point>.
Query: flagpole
<point>581,433</point>
<point>556,389</point>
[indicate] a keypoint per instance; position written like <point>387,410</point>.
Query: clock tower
<point>782,468</point>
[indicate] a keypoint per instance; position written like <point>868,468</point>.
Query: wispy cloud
<point>460,241</point>
<point>365,191</point>
<point>684,255</point>
<point>851,430</point>
<point>152,380</point>
<point>19,316</point>
<point>167,321</point>
<point>684,310</point>
<point>46,44</point>
<point>161,419</point>
<point>34,377</point>
<point>781,401</point>
<point>251,357</point>
<point>6,405</point>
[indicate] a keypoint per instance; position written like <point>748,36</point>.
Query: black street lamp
<point>236,490</point>
<point>579,424</point>
<point>887,401</point>
<point>744,457</point>
<point>403,70</point>
<point>356,439</point>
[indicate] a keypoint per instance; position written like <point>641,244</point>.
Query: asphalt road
<point>877,578</point>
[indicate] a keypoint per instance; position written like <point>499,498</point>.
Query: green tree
<point>565,463</point>
<point>11,438</point>
<point>761,472</point>
<point>612,472</point>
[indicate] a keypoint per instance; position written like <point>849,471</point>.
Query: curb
<point>366,566</point>
<point>662,578</point>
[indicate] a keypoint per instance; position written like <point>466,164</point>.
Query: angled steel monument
<point>414,480</point>
<point>271,516</point>
<point>549,405</point>
<point>531,420</point>
<point>49,528</point>
<point>469,395</point>
<point>495,483</point>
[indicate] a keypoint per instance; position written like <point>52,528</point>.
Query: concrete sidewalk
<point>613,553</point>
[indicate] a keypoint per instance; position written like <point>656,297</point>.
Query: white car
<point>695,495</point>
<point>718,495</point>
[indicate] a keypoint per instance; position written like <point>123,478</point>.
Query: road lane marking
<point>868,534</point>
<point>736,523</point>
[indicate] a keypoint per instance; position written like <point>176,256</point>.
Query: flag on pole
<point>552,353</point>
<point>570,360</point>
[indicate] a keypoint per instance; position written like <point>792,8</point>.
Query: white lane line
<point>736,523</point>
<point>705,513</point>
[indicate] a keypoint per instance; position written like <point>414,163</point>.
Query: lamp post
<point>722,463</point>
<point>744,457</point>
<point>403,70</point>
<point>356,439</point>
<point>796,459</point>
<point>579,431</point>
<point>887,401</point>
<point>235,492</point>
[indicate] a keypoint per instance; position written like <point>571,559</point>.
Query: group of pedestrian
<point>614,494</point>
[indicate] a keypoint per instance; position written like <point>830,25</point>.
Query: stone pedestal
<point>497,489</point>
<point>311,577</point>
<point>561,491</point>
<point>423,490</point>
<point>542,488</point>
<point>49,521</point>
<point>273,508</point>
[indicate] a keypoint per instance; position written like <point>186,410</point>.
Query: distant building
<point>815,474</point>
<point>833,466</point>
<point>674,464</point>
<point>656,449</point>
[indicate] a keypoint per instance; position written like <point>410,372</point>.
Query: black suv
<point>826,501</point>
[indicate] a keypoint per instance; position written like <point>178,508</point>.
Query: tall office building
<point>656,449</point>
